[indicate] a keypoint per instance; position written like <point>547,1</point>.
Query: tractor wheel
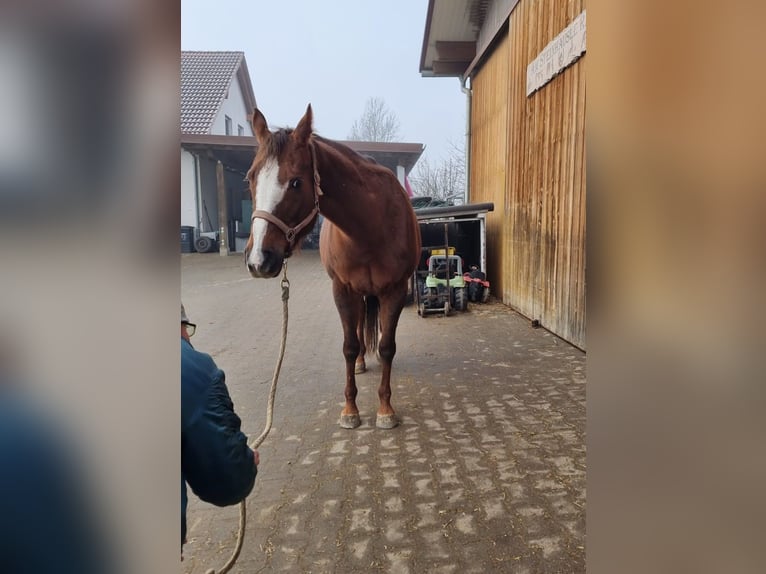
<point>473,291</point>
<point>461,299</point>
<point>485,295</point>
<point>203,244</point>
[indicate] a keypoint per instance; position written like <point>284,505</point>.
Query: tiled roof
<point>205,78</point>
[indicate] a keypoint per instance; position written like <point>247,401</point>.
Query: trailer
<point>458,229</point>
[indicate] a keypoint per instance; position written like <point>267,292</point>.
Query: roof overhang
<point>458,33</point>
<point>243,75</point>
<point>237,151</point>
<point>449,40</point>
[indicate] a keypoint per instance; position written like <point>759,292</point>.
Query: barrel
<point>187,239</point>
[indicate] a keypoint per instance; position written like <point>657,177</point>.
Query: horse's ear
<point>304,128</point>
<point>260,127</point>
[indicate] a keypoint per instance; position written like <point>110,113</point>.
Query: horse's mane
<point>278,141</point>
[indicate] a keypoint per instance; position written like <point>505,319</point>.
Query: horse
<point>369,243</point>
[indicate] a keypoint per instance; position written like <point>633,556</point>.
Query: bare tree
<point>377,124</point>
<point>445,180</point>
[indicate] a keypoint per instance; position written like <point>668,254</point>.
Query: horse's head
<point>284,192</point>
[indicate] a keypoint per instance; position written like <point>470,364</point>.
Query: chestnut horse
<point>369,243</point>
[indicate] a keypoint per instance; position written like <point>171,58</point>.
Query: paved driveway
<point>486,473</point>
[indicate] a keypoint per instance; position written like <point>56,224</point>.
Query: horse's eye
<point>295,183</point>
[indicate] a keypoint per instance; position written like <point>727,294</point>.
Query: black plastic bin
<point>187,239</point>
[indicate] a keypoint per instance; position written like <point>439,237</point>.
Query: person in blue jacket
<point>215,460</point>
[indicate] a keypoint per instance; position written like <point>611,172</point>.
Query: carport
<point>222,194</point>
<point>463,227</point>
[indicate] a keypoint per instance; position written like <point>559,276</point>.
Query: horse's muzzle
<point>270,265</point>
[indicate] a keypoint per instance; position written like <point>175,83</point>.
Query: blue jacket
<point>215,459</point>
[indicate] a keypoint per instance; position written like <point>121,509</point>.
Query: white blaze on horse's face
<point>268,193</point>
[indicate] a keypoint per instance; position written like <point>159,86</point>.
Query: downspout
<point>468,93</point>
<point>198,192</point>
<point>482,220</point>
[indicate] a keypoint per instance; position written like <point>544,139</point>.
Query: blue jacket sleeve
<point>215,458</point>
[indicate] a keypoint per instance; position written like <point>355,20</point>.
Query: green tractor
<point>444,287</point>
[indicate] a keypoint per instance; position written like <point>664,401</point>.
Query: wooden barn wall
<point>489,134</point>
<point>540,251</point>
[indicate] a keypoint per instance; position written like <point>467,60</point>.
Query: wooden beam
<point>455,51</point>
<point>449,68</point>
<point>223,211</point>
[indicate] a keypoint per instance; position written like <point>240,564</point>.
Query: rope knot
<point>285,289</point>
<point>285,283</point>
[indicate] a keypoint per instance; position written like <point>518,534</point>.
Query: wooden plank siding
<point>536,235</point>
<point>489,133</point>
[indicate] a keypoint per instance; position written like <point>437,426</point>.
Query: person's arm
<point>217,463</point>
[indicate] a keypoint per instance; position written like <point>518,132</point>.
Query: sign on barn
<point>557,55</point>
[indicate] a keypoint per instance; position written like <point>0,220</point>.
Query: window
<point>228,125</point>
<point>240,130</point>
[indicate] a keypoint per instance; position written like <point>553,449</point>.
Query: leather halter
<point>292,232</point>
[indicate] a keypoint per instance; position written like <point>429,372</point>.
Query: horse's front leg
<point>350,308</point>
<point>390,310</point>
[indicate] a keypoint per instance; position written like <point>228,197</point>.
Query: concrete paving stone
<point>486,472</point>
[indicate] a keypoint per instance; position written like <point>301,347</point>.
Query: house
<point>521,64</point>
<point>218,146</point>
<point>216,100</point>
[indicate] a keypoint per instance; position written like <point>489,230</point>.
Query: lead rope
<point>269,418</point>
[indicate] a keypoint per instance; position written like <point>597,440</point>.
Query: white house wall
<point>234,107</point>
<point>188,190</point>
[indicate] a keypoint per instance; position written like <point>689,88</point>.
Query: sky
<point>334,54</point>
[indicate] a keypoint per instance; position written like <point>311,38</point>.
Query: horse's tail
<point>371,323</point>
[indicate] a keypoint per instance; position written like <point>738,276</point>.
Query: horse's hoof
<point>350,421</point>
<point>386,421</point>
<point>360,368</point>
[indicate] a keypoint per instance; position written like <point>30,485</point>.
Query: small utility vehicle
<point>444,287</point>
